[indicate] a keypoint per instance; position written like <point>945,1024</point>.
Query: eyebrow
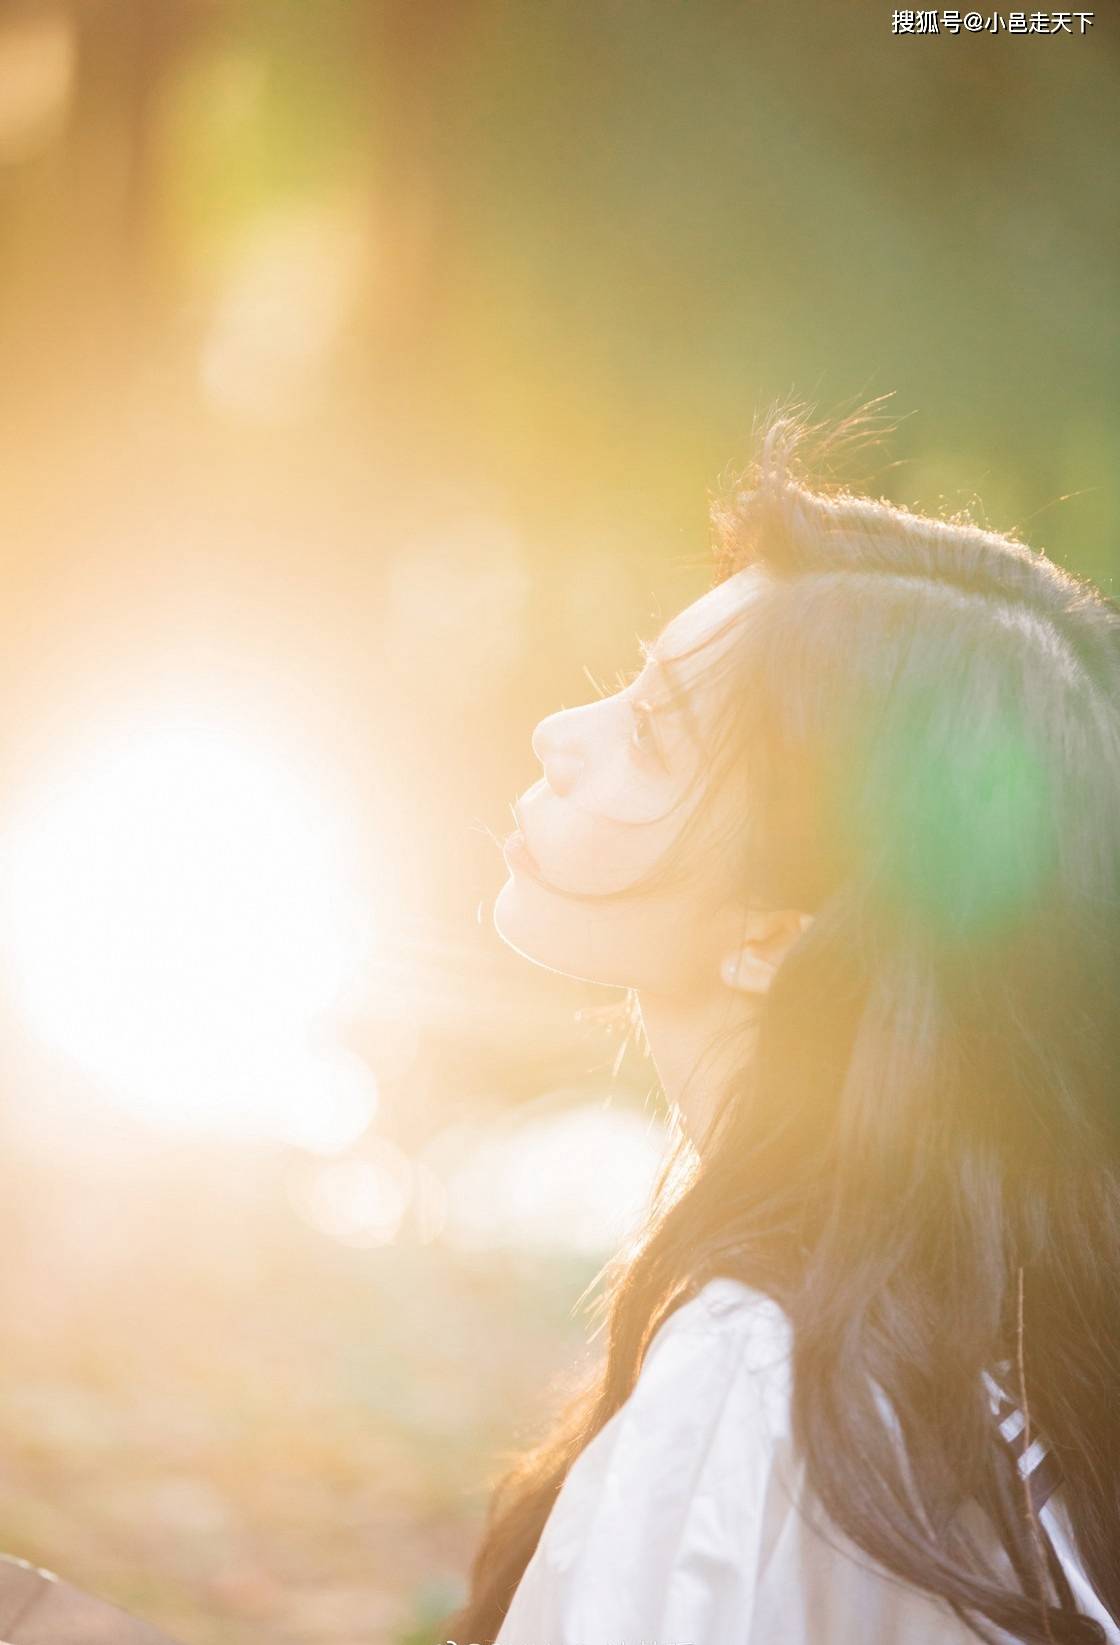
<point>679,699</point>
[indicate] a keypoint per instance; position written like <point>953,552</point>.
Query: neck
<point>697,1041</point>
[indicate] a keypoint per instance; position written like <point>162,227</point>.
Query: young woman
<point>852,836</point>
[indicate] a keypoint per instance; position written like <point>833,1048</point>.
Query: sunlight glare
<point>177,918</point>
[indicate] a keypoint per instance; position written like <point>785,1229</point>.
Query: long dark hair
<point>920,1157</point>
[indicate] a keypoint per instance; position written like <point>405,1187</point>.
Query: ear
<point>767,936</point>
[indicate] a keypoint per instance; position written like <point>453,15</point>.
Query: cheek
<point>578,850</point>
<point>617,790</point>
<point>658,940</point>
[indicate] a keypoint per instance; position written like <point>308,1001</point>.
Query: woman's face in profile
<point>621,775</point>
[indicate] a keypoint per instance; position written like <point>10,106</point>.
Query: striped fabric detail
<point>1036,1464</point>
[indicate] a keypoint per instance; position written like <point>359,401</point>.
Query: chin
<point>523,927</point>
<point>539,926</point>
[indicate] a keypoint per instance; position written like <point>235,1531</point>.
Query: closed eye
<point>644,737</point>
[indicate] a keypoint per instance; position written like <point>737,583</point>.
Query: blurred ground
<point>240,1429</point>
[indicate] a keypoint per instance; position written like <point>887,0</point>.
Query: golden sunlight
<point>179,913</point>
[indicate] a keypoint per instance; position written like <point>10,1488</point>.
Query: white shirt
<point>677,1524</point>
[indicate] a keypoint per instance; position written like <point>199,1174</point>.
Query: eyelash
<point>643,721</point>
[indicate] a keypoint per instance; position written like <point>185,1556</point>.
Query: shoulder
<point>727,1332</point>
<point>729,1309</point>
<point>667,1518</point>
<point>708,1412</point>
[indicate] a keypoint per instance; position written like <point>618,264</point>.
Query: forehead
<point>707,627</point>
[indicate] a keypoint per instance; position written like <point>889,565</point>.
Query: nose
<point>555,747</point>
